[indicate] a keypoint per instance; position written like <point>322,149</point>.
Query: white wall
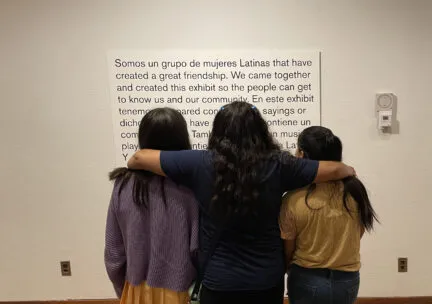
<point>56,130</point>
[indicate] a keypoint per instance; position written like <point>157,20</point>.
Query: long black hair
<point>241,143</point>
<point>320,143</point>
<point>160,129</point>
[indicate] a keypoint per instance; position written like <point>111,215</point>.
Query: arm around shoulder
<point>146,159</point>
<point>329,171</point>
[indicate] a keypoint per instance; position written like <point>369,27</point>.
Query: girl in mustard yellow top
<point>321,226</point>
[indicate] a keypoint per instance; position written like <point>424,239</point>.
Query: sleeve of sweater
<point>115,254</point>
<point>194,228</point>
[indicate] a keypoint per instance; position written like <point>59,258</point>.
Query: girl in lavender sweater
<point>152,224</point>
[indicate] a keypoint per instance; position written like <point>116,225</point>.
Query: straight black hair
<point>320,143</point>
<point>160,129</point>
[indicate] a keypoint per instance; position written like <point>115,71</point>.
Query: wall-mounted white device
<point>385,105</point>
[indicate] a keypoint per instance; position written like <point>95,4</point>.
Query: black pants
<point>274,295</point>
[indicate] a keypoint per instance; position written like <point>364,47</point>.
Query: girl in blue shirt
<point>239,182</point>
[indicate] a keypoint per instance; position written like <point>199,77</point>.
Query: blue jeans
<point>322,286</point>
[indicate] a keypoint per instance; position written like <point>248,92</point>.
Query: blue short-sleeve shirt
<point>249,256</point>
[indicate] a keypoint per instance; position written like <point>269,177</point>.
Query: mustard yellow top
<point>326,235</point>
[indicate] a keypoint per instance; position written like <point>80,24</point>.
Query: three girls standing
<point>238,183</point>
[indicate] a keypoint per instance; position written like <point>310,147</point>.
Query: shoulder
<point>291,211</point>
<point>296,197</point>
<point>286,158</point>
<point>329,190</point>
<point>121,177</point>
<point>180,197</point>
<point>318,196</point>
<point>179,192</point>
<point>122,188</point>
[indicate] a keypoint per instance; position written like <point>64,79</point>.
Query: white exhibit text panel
<point>283,85</point>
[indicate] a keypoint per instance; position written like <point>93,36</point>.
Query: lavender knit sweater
<point>155,245</point>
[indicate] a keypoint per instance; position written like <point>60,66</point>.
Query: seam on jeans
<point>357,280</point>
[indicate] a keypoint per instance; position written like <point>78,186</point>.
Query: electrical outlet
<point>65,268</point>
<point>402,264</point>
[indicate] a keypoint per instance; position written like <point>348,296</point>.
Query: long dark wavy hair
<point>320,143</point>
<point>160,129</point>
<point>241,144</point>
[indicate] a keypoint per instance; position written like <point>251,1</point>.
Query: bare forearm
<point>146,159</point>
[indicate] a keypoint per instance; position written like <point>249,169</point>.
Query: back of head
<point>241,143</point>
<point>160,129</point>
<point>319,143</point>
<point>163,129</point>
<point>241,126</point>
